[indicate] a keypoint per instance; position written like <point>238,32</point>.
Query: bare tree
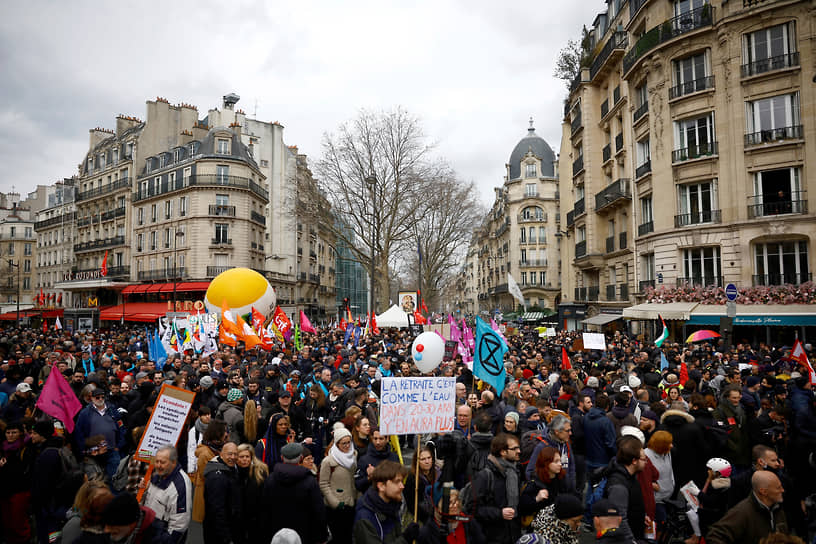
<point>572,58</point>
<point>373,171</point>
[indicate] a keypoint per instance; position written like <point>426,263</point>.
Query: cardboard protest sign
<point>166,422</point>
<point>417,405</point>
<point>594,340</point>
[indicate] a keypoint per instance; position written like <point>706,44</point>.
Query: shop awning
<point>129,289</point>
<point>601,319</point>
<point>140,288</point>
<point>52,314</point>
<point>193,286</point>
<point>12,316</point>
<point>134,311</point>
<point>774,315</point>
<point>532,316</point>
<point>679,311</point>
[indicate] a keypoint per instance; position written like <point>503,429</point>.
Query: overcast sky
<point>474,72</point>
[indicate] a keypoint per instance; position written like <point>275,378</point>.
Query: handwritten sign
<point>593,340</point>
<point>417,405</point>
<point>166,421</point>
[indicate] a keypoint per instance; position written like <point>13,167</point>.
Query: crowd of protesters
<point>284,446</point>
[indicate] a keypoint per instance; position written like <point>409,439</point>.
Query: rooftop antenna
<point>255,115</point>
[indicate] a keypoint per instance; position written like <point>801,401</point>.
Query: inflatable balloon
<point>427,351</point>
<point>243,289</point>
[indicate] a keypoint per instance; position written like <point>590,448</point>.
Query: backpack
<point>529,441</point>
<point>598,490</point>
<point>477,462</point>
<point>467,500</point>
<point>120,477</point>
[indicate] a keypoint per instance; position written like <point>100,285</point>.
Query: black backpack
<point>467,498</point>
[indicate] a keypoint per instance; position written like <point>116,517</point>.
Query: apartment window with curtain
<point>701,266</point>
<point>524,278</point>
<point>542,278</point>
<point>777,192</point>
<point>153,241</point>
<point>531,189</point>
<point>532,235</point>
<point>530,171</point>
<point>694,138</point>
<point>697,203</point>
<point>780,263</point>
<point>646,214</point>
<point>643,158</point>
<point>685,6</point>
<point>769,49</point>
<point>542,235</point>
<point>139,241</point>
<point>222,174</point>
<point>691,74</point>
<point>771,119</point>
<point>221,233</point>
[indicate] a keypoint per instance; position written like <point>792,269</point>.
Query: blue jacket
<point>803,417</point>
<point>90,423</point>
<point>599,434</point>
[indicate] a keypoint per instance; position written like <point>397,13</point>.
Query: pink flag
<point>58,399</point>
<point>455,334</point>
<point>495,327</point>
<point>467,358</point>
<point>305,324</point>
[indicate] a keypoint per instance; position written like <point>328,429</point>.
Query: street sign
<point>731,292</point>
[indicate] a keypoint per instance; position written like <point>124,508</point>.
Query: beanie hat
<point>340,433</point>
<point>44,428</point>
<point>512,415</point>
<point>527,373</point>
<point>122,510</point>
<point>234,394</point>
<point>292,451</point>
<point>634,382</point>
<point>650,414</point>
<point>206,382</point>
<point>568,506</point>
<point>752,381</point>
<point>532,410</point>
<point>592,382</point>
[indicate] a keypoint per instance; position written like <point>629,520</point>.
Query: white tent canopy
<point>393,317</point>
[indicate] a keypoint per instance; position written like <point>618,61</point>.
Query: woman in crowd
<point>252,474</point>
<point>337,485</point>
<point>360,434</point>
<point>511,424</point>
<point>85,522</point>
<point>659,453</point>
<point>214,437</point>
<point>548,483</point>
<point>248,428</point>
<point>277,436</point>
<point>16,461</point>
<point>428,474</point>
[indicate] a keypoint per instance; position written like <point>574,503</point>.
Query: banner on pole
<point>166,422</point>
<point>417,405</point>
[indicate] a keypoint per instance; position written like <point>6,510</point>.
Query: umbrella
<point>699,336</point>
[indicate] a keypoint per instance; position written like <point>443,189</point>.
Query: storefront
<point>570,316</point>
<point>610,320</point>
<point>777,324</point>
<point>645,319</point>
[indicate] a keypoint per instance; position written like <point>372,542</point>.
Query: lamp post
<point>371,181</point>
<point>176,236</point>
<point>11,264</point>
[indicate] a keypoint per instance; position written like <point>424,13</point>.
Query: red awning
<point>194,286</point>
<point>168,287</point>
<point>51,314</point>
<point>130,289</point>
<point>141,288</point>
<point>155,288</point>
<point>134,311</point>
<point>12,316</point>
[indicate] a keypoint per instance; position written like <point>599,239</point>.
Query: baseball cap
<point>23,387</point>
<point>605,508</point>
<point>626,389</point>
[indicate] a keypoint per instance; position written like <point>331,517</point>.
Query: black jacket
<point>292,498</point>
<point>689,453</point>
<point>252,513</point>
<point>623,490</point>
<point>222,503</point>
<point>372,457</point>
<point>489,489</point>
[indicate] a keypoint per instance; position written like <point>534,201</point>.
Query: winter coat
<point>748,521</point>
<point>481,449</point>
<point>564,448</point>
<point>15,475</point>
<point>232,415</point>
<point>623,490</point>
<point>372,457</point>
<point>204,454</point>
<point>663,464</point>
<point>620,416</point>
<point>337,483</point>
<point>431,533</point>
<point>689,453</point>
<point>149,530</point>
<point>489,489</point>
<point>646,478</point>
<point>713,503</point>
<point>377,521</point>
<point>804,421</point>
<point>552,530</point>
<point>171,497</point>
<point>599,434</point>
<point>252,512</point>
<point>527,502</point>
<point>222,503</point>
<point>291,498</point>
<point>90,423</point>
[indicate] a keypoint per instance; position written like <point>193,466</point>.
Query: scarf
<point>508,470</point>
<point>10,447</point>
<point>345,460</point>
<point>200,427</point>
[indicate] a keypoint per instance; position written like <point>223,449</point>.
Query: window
<point>542,276</point>
<point>168,209</point>
<point>532,278</point>
<point>185,176</point>
<point>29,232</point>
<point>26,283</point>
<point>532,235</point>
<point>122,202</point>
<point>11,249</point>
<point>222,200</point>
<point>641,100</point>
<point>780,263</point>
<point>524,255</point>
<point>610,227</point>
<point>774,118</point>
<point>221,259</point>
<point>176,155</point>
<point>580,234</point>
<point>697,204</point>
<point>140,216</point>
<point>542,235</point>
<point>180,239</point>
<point>644,158</point>
<point>524,278</point>
<point>777,192</point>
<point>530,171</point>
<point>171,181</point>
<point>702,266</point>
<point>182,206</point>
<point>694,138</point>
<point>221,233</point>
<point>691,74</point>
<point>27,249</point>
<point>222,175</point>
<point>531,189</point>
<point>769,49</point>
<point>532,213</point>
<point>139,241</point>
<point>153,240</point>
<point>523,235</point>
<point>27,265</point>
<point>685,6</point>
<point>167,238</point>
<point>154,215</point>
<point>222,146</point>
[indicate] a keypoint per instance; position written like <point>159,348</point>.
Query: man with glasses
<point>496,490</point>
<point>623,489</point>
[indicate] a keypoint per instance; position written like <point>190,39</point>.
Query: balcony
<point>576,124</point>
<point>791,278</point>
<point>179,273</point>
<point>610,244</point>
<point>100,244</point>
<point>58,220</point>
<point>669,29</point>
<point>499,289</point>
<point>580,249</point>
<point>774,135</point>
<point>699,151</point>
<point>700,281</point>
<point>645,228</point>
<point>221,241</point>
<point>697,218</point>
<point>570,218</point>
<point>201,180</point>
<point>257,217</point>
<point>105,190</point>
<point>314,278</point>
<point>113,214</point>
<point>579,208</point>
<point>581,293</point>
<point>770,205</point>
<point>533,263</point>
<point>221,210</point>
<point>644,284</point>
<point>643,169</point>
<point>578,166</point>
<point>634,7</point>
<point>641,110</point>
<point>502,229</point>
<point>610,53</point>
<point>93,273</point>
<point>607,152</point>
<point>787,60</point>
<point>84,222</point>
<point>593,292</point>
<point>614,193</point>
<point>624,291</point>
<point>604,108</point>
<point>622,240</point>
<point>619,142</point>
<point>531,218</point>
<point>689,87</point>
<point>611,292</point>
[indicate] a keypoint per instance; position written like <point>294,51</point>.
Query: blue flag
<point>349,330</point>
<point>664,363</point>
<point>488,356</point>
<point>160,353</point>
<point>358,332</point>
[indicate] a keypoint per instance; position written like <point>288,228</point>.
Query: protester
<point>337,485</point>
<point>222,498</point>
<point>377,516</point>
<point>170,493</point>
<point>252,474</point>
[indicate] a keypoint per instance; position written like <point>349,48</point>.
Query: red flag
<point>565,362</point>
<point>683,374</point>
<point>342,326</point>
<point>281,321</point>
<point>257,320</point>
<point>104,269</point>
<point>305,324</point>
<point>59,298</point>
<point>798,354</point>
<point>45,325</point>
<point>374,328</point>
<point>419,319</point>
<point>58,399</point>
<point>424,308</point>
<point>42,297</point>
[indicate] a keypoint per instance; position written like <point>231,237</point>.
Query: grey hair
<point>171,451</point>
<point>558,422</point>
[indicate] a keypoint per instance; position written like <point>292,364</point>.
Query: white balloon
<point>433,349</point>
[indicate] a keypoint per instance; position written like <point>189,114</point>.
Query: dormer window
<point>222,146</point>
<point>530,170</point>
<point>177,155</point>
<point>163,160</point>
<point>148,165</point>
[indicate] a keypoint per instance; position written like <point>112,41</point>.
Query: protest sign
<point>166,421</point>
<point>594,340</point>
<point>450,350</point>
<point>417,405</point>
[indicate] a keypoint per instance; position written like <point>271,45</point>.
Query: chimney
<point>230,100</point>
<point>97,135</point>
<point>125,122</point>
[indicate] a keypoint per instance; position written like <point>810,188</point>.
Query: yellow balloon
<point>242,289</point>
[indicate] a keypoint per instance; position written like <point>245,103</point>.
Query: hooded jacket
<point>377,521</point>
<point>623,490</point>
<point>690,451</point>
<point>292,498</point>
<point>233,415</point>
<point>481,449</point>
<point>371,457</point>
<point>599,434</point>
<point>222,519</point>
